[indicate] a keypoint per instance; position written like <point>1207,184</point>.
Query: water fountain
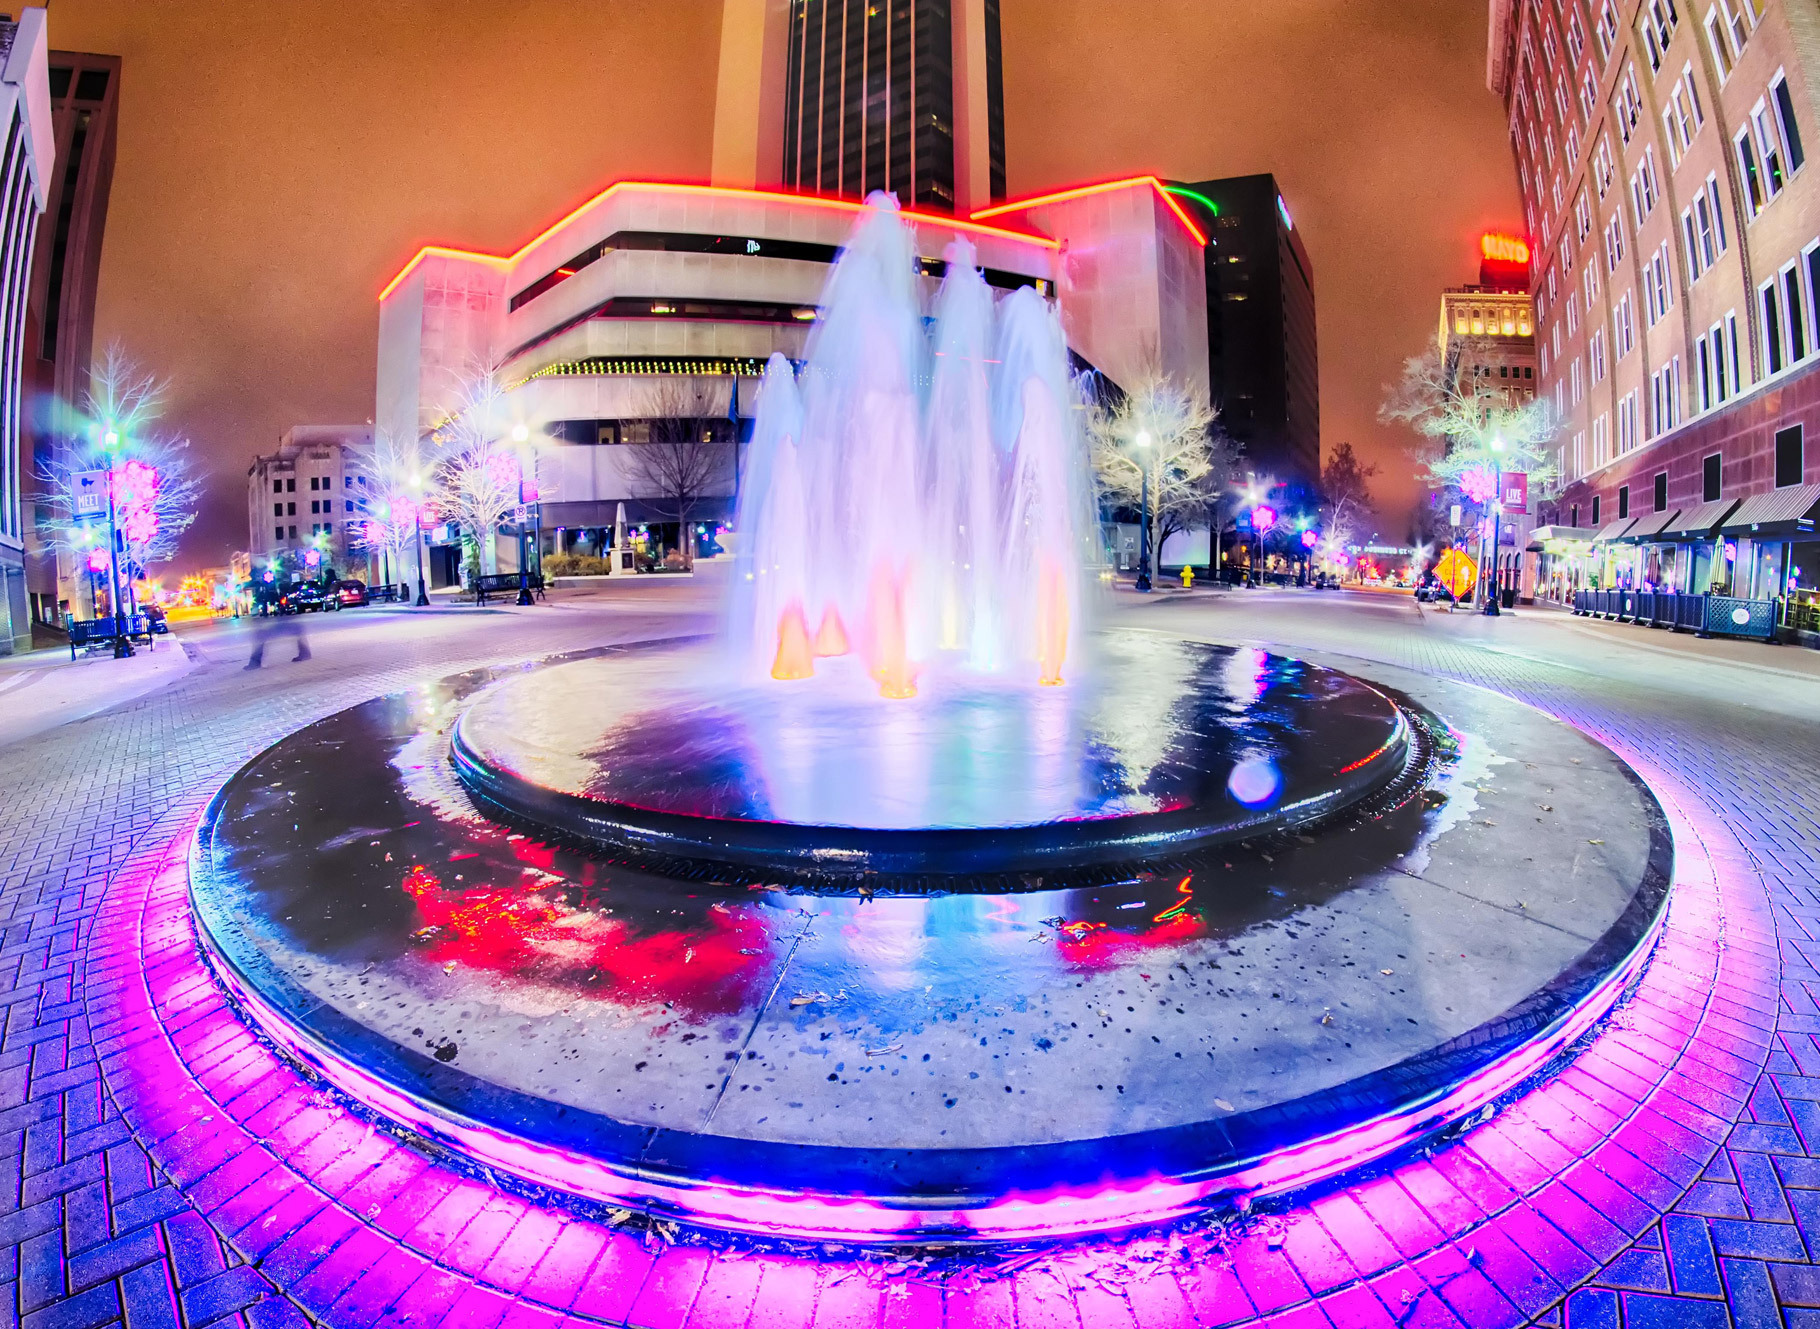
<point>912,905</point>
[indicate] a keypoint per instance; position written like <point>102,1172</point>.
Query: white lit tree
<point>474,479</point>
<point>1467,429</point>
<point>155,489</point>
<point>1159,440</point>
<point>394,472</point>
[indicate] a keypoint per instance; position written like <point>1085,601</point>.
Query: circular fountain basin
<point>1168,748</point>
<point>962,1065</point>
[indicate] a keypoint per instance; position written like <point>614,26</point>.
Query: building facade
<point>311,493</point>
<point>1263,362</point>
<point>26,161</point>
<point>60,318</point>
<point>844,97</point>
<point>1662,151</point>
<point>653,295</point>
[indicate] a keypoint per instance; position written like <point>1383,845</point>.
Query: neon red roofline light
<point>1104,187</point>
<point>810,200</point>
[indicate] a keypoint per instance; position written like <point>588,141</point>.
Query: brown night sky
<point>278,161</point>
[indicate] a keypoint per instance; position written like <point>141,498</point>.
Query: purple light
<point>1310,539</point>
<point>1263,518</point>
<point>1254,781</point>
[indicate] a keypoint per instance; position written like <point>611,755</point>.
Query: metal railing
<point>1708,615</point>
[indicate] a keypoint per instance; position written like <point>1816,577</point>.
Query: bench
<point>504,583</point>
<point>92,634</point>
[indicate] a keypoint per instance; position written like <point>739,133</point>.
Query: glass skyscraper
<point>870,98</point>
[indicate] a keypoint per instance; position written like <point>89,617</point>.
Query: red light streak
<point>719,191</point>
<point>1083,191</point>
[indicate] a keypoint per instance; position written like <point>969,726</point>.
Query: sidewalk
<point>43,689</point>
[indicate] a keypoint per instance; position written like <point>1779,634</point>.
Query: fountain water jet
<point>923,480</point>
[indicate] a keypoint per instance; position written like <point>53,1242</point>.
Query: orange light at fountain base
<point>1051,625</point>
<point>794,657</point>
<point>890,646</point>
<point>831,637</point>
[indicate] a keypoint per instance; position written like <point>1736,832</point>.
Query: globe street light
<point>1492,607</point>
<point>417,534</point>
<point>521,440</point>
<point>1142,442</point>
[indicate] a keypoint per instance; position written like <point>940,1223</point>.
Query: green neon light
<point>1202,199</point>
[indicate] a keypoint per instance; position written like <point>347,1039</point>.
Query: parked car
<point>350,593</point>
<point>305,597</point>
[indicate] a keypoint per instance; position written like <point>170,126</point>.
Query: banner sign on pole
<point>1515,496</point>
<point>88,493</point>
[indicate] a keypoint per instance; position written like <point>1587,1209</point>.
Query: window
<point>1738,23</point>
<point>278,509</point>
<point>1579,456</point>
<point>1657,26</point>
<point>1595,354</point>
<point>1645,189</point>
<point>1785,121</point>
<point>1601,440</point>
<point>290,486</point>
<point>1749,178</point>
<point>1658,297</point>
<point>290,509</point>
<point>293,533</point>
<point>1716,41</point>
<point>1582,218</point>
<point>1788,456</point>
<point>1576,36</point>
<point>1602,167</point>
<point>1627,422</point>
<point>1665,398</point>
<point>312,484</point>
<point>1607,31</point>
<point>1614,243</point>
<point>1624,325</point>
<point>313,507</point>
<point>1623,502</point>
<point>277,486</point>
<point>1595,509</point>
<point>278,533</point>
<point>1630,104</point>
<point>347,505</point>
<point>1709,478</point>
<point>1661,494</point>
<point>1771,325</point>
<point>328,528</point>
<point>347,482</point>
<point>1573,317</point>
<point>1794,314</point>
<point>1578,387</point>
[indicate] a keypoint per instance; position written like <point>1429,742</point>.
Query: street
<point>1733,728</point>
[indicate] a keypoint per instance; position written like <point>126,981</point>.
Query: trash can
<point>1508,597</point>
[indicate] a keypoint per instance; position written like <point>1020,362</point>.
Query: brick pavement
<point>97,1232</point>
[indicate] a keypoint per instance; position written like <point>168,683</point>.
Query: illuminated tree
<point>154,489</point>
<point>1162,430</point>
<point>1467,427</point>
<point>475,474</point>
<point>394,471</point>
<point>1345,494</point>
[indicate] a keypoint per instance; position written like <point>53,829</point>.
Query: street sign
<point>1453,515</point>
<point>88,493</point>
<point>1514,495</point>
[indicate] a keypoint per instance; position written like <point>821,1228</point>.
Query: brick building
<point>1662,153</point>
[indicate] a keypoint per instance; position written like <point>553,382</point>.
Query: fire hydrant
<point>1187,577</point>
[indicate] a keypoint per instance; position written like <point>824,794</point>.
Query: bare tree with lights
<point>155,489</point>
<point>393,467</point>
<point>1157,450</point>
<point>1345,494</point>
<point>686,457</point>
<point>474,479</point>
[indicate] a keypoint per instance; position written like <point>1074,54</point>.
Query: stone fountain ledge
<point>649,1035</point>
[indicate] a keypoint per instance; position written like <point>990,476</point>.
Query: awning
<point>1613,530</point>
<point>1542,536</point>
<point>1697,523</point>
<point>1650,527</point>
<point>1790,511</point>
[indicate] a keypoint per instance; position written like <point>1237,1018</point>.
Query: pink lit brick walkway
<point>1664,1178</point>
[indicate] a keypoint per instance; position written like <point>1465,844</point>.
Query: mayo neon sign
<point>1503,248</point>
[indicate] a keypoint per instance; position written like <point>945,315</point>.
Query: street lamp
<point>123,643</point>
<point>521,440</point>
<point>1142,442</point>
<point>417,533</point>
<point>1497,509</point>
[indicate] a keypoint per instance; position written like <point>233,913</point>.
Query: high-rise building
<point>1262,358</point>
<point>310,494</point>
<point>26,162</point>
<point>850,96</point>
<point>66,269</point>
<point>1662,153</point>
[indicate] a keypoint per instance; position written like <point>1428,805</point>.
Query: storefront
<point>1761,538</point>
<point>1564,561</point>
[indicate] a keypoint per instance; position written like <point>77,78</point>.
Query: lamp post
<point>521,441</point>
<point>417,534</point>
<point>110,445</point>
<point>1492,607</point>
<point>1141,440</point>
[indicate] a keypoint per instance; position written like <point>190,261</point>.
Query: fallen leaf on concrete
<point>885,1051</point>
<point>1223,1105</point>
<point>1387,972</point>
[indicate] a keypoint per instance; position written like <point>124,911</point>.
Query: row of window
<point>1790,468</point>
<point>316,528</point>
<point>318,507</point>
<point>317,483</point>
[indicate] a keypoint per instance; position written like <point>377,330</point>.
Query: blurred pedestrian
<point>270,628</point>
